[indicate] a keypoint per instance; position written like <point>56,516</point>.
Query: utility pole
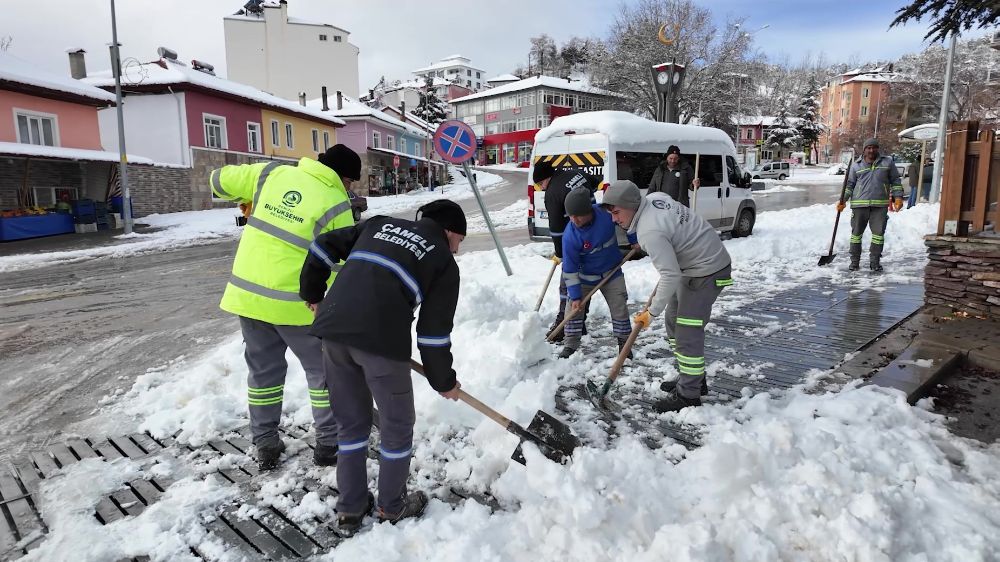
<point>116,67</point>
<point>943,122</point>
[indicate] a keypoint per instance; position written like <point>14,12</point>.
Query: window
<point>468,72</point>
<point>864,110</point>
<point>322,37</point>
<point>509,127</point>
<point>36,128</point>
<point>275,134</point>
<point>337,39</point>
<point>253,137</point>
<point>315,140</point>
<point>764,155</point>
<point>524,151</point>
<point>479,75</point>
<point>733,171</point>
<point>492,128</point>
<point>508,102</point>
<point>326,141</point>
<point>710,169</point>
<point>749,133</point>
<point>390,142</point>
<point>468,83</point>
<point>477,83</point>
<point>215,131</point>
<point>865,93</point>
<point>47,197</point>
<point>376,139</point>
<point>508,152</point>
<point>638,166</point>
<point>289,136</point>
<point>492,105</point>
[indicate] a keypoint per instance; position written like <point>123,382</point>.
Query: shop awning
<point>403,156</point>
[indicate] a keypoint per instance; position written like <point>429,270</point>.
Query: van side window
<point>637,166</point>
<point>709,169</point>
<point>733,172</point>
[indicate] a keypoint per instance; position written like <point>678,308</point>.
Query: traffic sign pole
<point>456,143</point>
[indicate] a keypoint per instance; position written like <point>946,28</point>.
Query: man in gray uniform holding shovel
<point>872,180</point>
<point>694,267</point>
<point>392,267</point>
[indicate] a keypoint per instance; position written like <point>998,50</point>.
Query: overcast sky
<point>397,36</point>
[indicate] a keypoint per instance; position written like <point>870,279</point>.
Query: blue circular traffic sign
<point>455,141</point>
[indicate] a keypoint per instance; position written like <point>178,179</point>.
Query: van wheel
<point>756,177</point>
<point>782,176</point>
<point>744,225</point>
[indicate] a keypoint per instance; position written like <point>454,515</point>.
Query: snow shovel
<point>599,395</point>
<point>583,305</point>
<point>827,259</point>
<point>541,297</point>
<point>553,438</point>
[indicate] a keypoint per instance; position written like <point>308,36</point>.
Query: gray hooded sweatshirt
<point>680,243</point>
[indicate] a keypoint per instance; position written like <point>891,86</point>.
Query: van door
<point>581,153</point>
<point>732,194</point>
<point>710,195</point>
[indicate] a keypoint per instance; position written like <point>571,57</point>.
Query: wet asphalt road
<point>72,334</point>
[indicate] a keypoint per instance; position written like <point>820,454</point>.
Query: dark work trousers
<point>265,355</point>
<point>616,295</point>
<point>865,217</point>
<point>355,377</point>
<point>686,315</point>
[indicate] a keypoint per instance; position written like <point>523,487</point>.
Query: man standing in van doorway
<point>871,181</point>
<point>674,177</point>
<point>557,186</point>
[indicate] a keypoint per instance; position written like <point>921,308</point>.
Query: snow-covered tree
<point>949,16</point>
<point>783,134</point>
<point>543,56</point>
<point>808,127</point>
<point>710,53</point>
<point>431,109</point>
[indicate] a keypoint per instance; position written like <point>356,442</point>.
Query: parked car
<point>359,204</point>
<point>771,170</point>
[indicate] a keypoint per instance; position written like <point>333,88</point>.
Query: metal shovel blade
<point>553,438</point>
<point>598,397</point>
<point>826,260</point>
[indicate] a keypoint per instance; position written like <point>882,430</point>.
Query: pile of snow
<point>511,217</point>
<point>836,170</point>
<point>779,189</point>
<point>857,474</point>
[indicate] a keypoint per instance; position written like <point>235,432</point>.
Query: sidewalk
<point>71,242</point>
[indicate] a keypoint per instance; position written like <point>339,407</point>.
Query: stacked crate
<point>84,215</point>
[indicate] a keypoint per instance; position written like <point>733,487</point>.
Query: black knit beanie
<point>543,171</point>
<point>342,160</point>
<point>446,213</point>
<point>673,149</point>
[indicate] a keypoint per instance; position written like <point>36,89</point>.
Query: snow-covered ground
<point>510,217</point>
<point>194,228</point>
<point>851,475</point>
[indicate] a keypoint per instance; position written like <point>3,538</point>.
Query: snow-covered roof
<point>626,129</point>
<point>534,82</point>
<point>871,77</point>
<point>503,78</point>
<point>291,20</point>
<point>405,155</point>
<point>38,151</point>
<point>353,110</point>
<point>174,73</point>
<point>17,71</point>
<point>419,83</point>
<point>447,62</point>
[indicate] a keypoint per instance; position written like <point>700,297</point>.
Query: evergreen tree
<point>783,134</point>
<point>431,109</point>
<point>808,126</point>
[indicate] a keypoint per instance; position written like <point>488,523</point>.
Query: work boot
<point>854,266</point>
<point>269,453</point>
<point>347,525</point>
<point>669,386</point>
<point>621,345</point>
<point>566,352</point>
<point>876,267</point>
<point>674,402</point>
<point>413,506</point>
<point>325,455</point>
<point>559,337</point>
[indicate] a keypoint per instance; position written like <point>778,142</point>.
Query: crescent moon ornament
<point>662,35</point>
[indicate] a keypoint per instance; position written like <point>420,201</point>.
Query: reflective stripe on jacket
<point>872,185</point>
<point>292,205</point>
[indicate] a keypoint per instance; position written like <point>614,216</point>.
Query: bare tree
<point>5,43</point>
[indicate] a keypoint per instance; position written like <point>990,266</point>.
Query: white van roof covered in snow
<point>625,129</point>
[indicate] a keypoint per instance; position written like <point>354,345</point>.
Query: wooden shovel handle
<point>472,401</point>
<point>836,223</point>
<point>586,299</point>
<point>541,297</point>
<point>623,354</point>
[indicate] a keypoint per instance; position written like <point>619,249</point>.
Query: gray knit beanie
<point>622,193</point>
<point>578,202</point>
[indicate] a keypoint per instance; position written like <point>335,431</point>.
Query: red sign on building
<point>492,117</point>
